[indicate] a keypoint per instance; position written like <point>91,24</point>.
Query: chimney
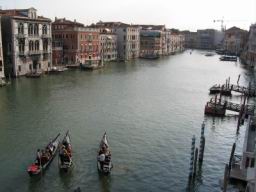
<point>75,20</point>
<point>55,18</point>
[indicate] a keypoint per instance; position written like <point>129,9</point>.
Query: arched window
<point>45,45</point>
<point>36,29</point>
<point>30,29</point>
<point>31,45</point>
<point>37,45</point>
<point>21,28</point>
<point>44,29</point>
<point>21,45</point>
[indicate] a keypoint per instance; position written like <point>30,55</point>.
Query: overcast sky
<point>181,14</point>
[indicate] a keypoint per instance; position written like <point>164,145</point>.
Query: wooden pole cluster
<point>202,144</point>
<point>196,155</point>
<point>192,157</point>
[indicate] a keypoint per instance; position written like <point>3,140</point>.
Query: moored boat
<point>228,58</point>
<point>44,157</point>
<point>104,161</point>
<point>57,70</point>
<point>34,74</point>
<point>65,154</point>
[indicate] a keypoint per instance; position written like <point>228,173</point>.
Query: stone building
<point>2,74</point>
<point>190,39</point>
<point>108,45</point>
<point>209,39</point>
<point>128,38</point>
<point>74,44</point>
<point>150,43</point>
<point>248,55</point>
<point>235,40</point>
<point>27,45</point>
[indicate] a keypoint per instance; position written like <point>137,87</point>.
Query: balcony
<point>34,52</point>
<point>20,35</point>
<point>46,51</point>
<point>22,54</point>
<point>33,35</point>
<point>46,36</point>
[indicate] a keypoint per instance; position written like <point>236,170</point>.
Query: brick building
<point>73,43</point>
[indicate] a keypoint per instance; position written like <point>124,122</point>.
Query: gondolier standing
<point>38,157</point>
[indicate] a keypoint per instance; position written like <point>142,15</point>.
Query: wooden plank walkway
<point>226,90</point>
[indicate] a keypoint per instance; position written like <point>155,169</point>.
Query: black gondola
<point>44,157</point>
<point>65,154</point>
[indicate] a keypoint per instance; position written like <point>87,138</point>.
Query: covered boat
<point>104,161</point>
<point>65,154</point>
<point>44,157</point>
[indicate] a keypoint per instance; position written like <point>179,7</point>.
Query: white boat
<point>104,161</point>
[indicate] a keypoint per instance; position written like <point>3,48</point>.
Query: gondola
<point>65,154</point>
<point>104,162</point>
<point>44,157</point>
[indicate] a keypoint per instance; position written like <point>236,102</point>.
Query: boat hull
<point>34,169</point>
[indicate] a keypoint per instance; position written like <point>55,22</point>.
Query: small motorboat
<point>228,58</point>
<point>65,154</point>
<point>209,54</point>
<point>44,157</point>
<point>57,70</point>
<point>34,74</point>
<point>104,162</point>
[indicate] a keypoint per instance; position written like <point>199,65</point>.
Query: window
<point>36,29</point>
<point>21,29</point>
<point>31,45</point>
<point>19,68</point>
<point>44,29</point>
<point>30,29</point>
<point>37,45</point>
<point>45,45</point>
<point>21,45</point>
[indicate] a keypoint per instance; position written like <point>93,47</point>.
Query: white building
<point>26,41</point>
<point>108,44</point>
<point>128,39</point>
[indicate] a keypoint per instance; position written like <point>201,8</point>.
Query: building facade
<point>27,43</point>
<point>2,74</point>
<point>235,40</point>
<point>190,39</point>
<point>248,55</point>
<point>150,43</point>
<point>108,45</point>
<point>73,43</point>
<point>128,38</point>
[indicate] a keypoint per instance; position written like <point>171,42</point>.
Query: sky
<point>181,14</point>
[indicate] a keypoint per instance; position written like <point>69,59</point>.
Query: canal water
<point>150,110</point>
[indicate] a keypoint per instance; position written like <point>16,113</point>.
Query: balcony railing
<point>46,36</point>
<point>34,52</point>
<point>20,35</point>
<point>21,53</point>
<point>33,35</point>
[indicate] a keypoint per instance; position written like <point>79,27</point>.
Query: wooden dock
<point>218,107</point>
<point>224,90</point>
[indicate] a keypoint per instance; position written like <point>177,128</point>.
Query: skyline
<point>183,15</point>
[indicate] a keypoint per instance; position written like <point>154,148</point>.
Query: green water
<point>150,110</point>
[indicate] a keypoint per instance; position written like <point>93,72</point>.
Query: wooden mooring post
<point>202,144</point>
<point>192,157</point>
<point>195,163</point>
<point>225,179</point>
